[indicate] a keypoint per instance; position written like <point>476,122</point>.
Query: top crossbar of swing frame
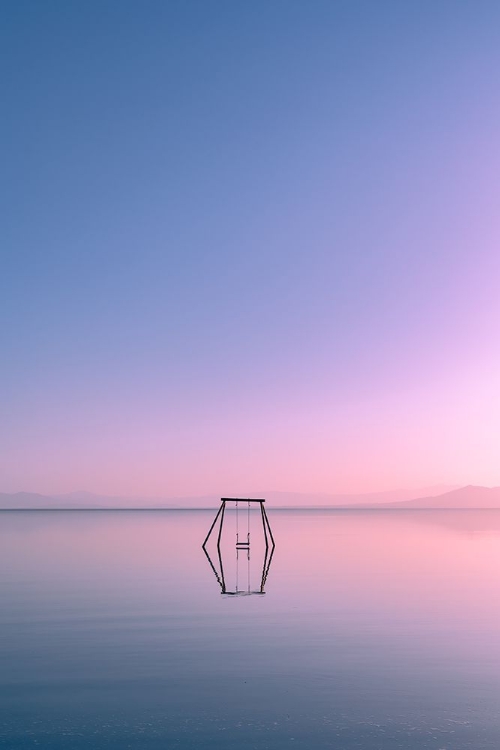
<point>240,500</point>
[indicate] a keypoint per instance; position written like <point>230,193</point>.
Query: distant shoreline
<point>332,508</point>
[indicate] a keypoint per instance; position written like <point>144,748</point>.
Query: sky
<point>249,246</point>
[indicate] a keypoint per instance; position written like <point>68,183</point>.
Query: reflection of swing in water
<point>242,544</point>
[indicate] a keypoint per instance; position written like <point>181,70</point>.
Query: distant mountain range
<point>434,497</point>
<point>471,496</point>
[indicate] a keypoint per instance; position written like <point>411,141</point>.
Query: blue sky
<point>232,231</point>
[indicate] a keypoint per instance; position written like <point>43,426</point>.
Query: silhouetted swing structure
<point>242,544</point>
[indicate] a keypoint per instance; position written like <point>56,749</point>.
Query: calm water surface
<point>378,630</point>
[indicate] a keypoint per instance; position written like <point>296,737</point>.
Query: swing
<point>242,543</point>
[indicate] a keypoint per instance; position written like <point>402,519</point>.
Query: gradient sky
<point>249,245</point>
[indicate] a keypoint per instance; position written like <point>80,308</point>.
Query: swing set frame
<point>240,545</point>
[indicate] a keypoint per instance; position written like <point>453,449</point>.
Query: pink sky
<point>252,256</point>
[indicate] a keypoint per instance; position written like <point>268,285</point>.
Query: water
<point>378,630</point>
